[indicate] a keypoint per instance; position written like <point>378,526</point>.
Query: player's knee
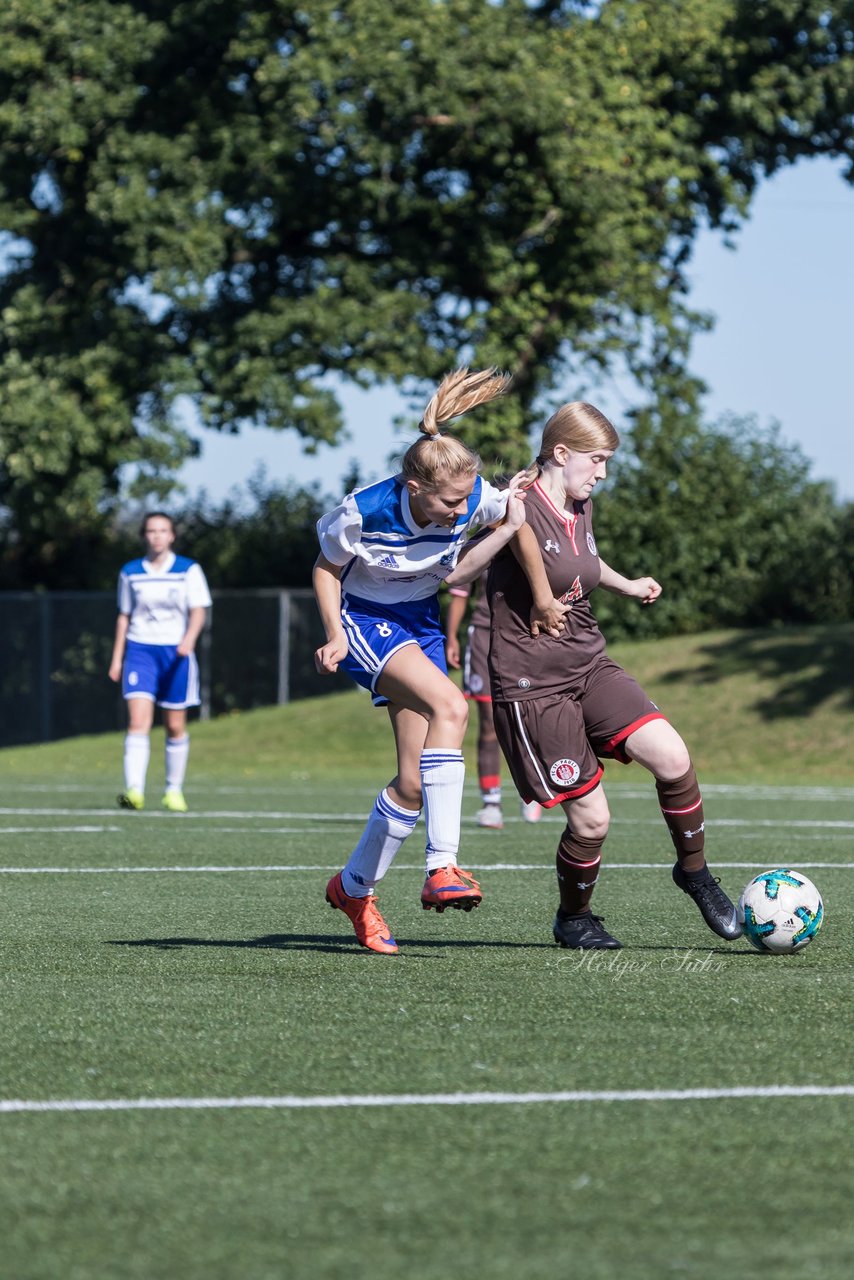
<point>406,790</point>
<point>591,820</point>
<point>673,761</point>
<point>453,709</point>
<point>593,828</point>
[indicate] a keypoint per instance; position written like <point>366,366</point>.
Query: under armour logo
<point>384,629</point>
<point>548,545</point>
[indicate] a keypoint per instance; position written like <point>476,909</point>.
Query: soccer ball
<point>780,911</point>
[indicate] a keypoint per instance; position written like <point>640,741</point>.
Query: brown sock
<point>577,862</point>
<point>682,807</point>
<point>488,757</point>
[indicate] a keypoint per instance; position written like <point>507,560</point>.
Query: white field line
<point>301,815</point>
<point>93,830</point>
<point>295,1102</point>
<point>826,837</point>
<point>51,831</point>
<point>315,868</point>
<point>738,790</point>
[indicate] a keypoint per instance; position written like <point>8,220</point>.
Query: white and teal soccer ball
<point>780,911</point>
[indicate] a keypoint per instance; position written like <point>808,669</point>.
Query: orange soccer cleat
<point>371,930</point>
<point>450,887</point>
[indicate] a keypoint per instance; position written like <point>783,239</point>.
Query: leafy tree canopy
<point>230,200</point>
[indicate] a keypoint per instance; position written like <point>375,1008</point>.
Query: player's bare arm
<point>547,614</point>
<point>195,626</point>
<point>326,579</point>
<point>646,590</point>
<point>122,624</point>
<point>478,553</point>
<point>453,620</point>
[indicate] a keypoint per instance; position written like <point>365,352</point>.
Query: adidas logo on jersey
<point>388,562</point>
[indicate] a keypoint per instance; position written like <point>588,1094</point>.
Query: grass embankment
<point>774,705</point>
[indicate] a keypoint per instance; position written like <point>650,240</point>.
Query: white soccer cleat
<point>490,816</point>
<point>532,811</point>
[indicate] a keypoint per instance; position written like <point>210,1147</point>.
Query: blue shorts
<point>157,672</point>
<point>376,631</point>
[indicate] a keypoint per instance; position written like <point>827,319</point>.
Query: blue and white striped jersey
<point>387,557</point>
<point>158,601</point>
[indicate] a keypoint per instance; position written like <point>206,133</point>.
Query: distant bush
<point>729,521</point>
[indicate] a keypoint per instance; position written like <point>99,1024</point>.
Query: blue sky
<point>782,346</point>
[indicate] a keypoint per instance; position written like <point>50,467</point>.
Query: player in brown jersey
<point>560,703</point>
<point>477,689</point>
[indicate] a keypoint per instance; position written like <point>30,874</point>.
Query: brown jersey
<point>523,666</point>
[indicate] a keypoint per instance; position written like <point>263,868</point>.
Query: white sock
<point>442,776</point>
<point>137,752</point>
<point>177,753</point>
<point>384,833</point>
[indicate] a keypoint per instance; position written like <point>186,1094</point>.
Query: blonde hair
<point>579,426</point>
<point>435,454</point>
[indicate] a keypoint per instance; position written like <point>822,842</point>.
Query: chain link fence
<point>55,647</point>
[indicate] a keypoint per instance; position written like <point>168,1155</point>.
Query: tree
<point>231,201</point>
<point>729,521</point>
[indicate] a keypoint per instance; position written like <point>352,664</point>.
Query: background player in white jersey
<point>163,599</point>
<point>477,689</point>
<point>385,550</point>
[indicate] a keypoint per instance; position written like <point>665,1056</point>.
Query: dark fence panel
<point>55,649</point>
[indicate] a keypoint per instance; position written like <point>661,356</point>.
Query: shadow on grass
<point>413,946</point>
<point>808,667</point>
<point>318,942</point>
<point>700,951</point>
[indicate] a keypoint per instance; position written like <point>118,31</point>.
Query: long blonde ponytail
<point>437,454</point>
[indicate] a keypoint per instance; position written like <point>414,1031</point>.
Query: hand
<point>515,501</point>
<point>647,590</point>
<point>452,652</point>
<point>115,671</point>
<point>549,620</point>
<point>328,656</point>
<point>185,648</point>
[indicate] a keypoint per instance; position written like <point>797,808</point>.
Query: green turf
<point>167,957</point>
<point>769,706</point>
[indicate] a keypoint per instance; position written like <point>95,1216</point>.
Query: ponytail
<point>437,454</point>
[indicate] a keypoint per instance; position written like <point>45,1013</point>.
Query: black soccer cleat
<point>713,904</point>
<point>583,932</point>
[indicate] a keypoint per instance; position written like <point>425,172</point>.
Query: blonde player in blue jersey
<point>385,550</point>
<point>163,599</point>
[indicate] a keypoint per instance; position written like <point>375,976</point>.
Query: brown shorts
<point>475,665</point>
<point>552,745</point>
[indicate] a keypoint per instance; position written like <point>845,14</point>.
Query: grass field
<point>204,1076</point>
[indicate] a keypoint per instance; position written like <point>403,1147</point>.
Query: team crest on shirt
<point>575,592</point>
<point>564,772</point>
<point>475,683</point>
<point>591,543</point>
